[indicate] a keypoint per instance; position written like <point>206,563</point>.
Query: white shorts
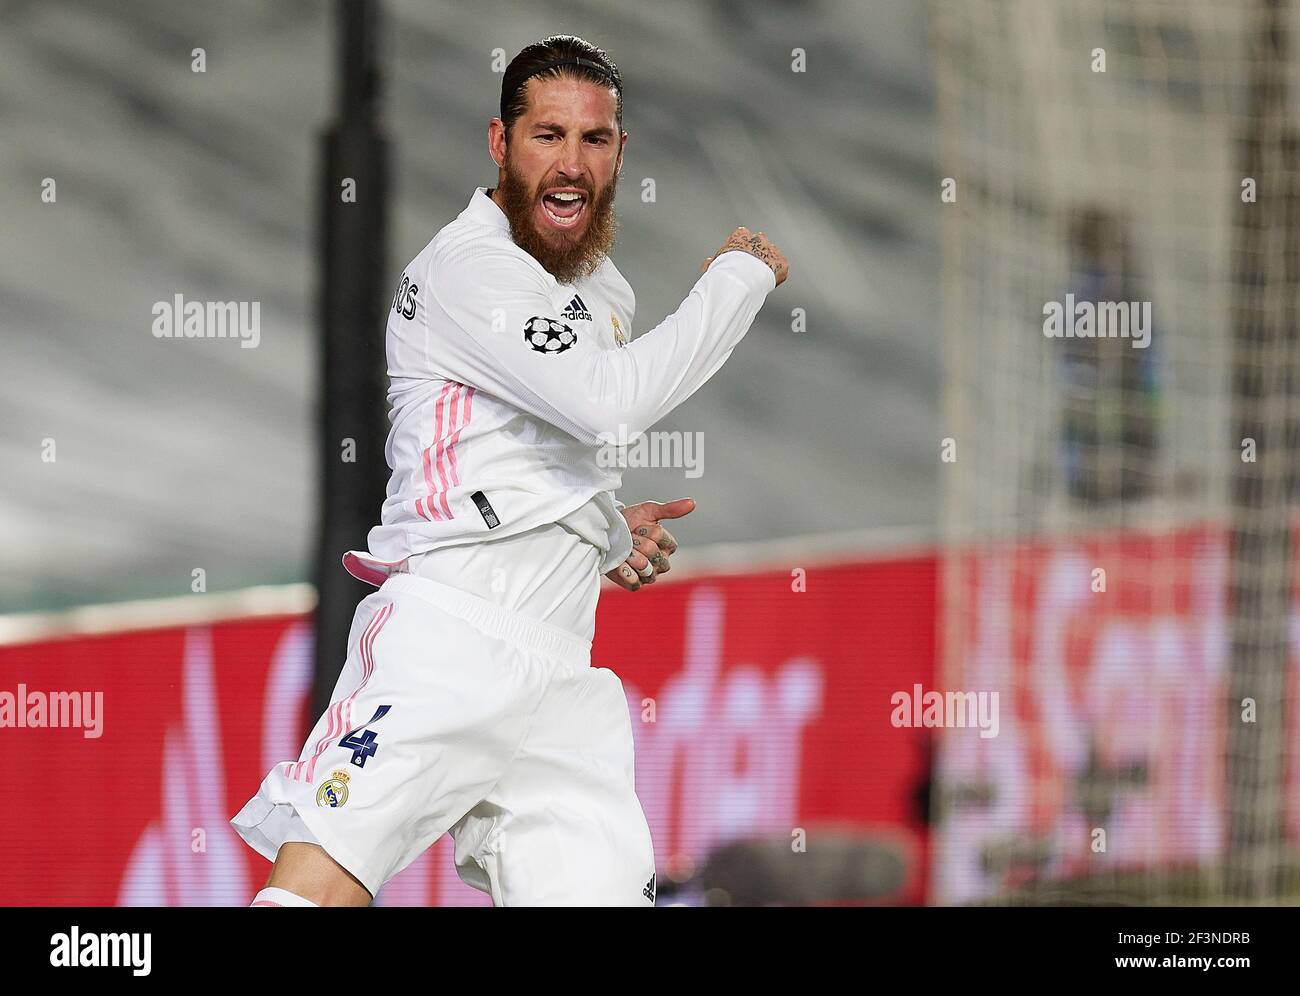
<point>452,714</point>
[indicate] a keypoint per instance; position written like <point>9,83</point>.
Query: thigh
<point>425,717</point>
<point>564,827</point>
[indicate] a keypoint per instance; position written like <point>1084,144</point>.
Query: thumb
<point>671,509</point>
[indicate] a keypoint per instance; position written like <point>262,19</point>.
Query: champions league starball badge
<point>546,335</point>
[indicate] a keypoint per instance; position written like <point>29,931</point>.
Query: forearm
<point>669,363</point>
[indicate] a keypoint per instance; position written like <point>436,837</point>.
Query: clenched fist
<point>757,245</point>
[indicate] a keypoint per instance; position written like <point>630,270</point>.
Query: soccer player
<point>467,702</point>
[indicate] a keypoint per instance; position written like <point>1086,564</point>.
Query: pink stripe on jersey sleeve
<point>430,487</point>
<point>450,417</point>
<point>444,471</point>
<point>451,451</point>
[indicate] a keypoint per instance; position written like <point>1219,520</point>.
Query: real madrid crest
<point>334,792</point>
<point>620,337</point>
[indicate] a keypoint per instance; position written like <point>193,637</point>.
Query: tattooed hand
<point>757,245</point>
<point>652,544</point>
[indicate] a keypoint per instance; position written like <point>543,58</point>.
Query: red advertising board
<point>760,705</point>
<point>1110,656</point>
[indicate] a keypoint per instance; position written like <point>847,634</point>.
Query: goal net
<point>1120,218</point>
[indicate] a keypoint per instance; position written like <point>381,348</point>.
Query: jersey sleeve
<point>505,337</point>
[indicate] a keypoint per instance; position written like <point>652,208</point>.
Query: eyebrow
<point>605,132</point>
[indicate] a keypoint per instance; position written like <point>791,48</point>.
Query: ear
<point>497,141</point>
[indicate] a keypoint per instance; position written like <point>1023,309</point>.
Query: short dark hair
<point>522,68</point>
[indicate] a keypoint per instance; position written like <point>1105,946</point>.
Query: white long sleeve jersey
<point>505,384</point>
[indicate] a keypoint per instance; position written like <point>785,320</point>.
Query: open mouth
<point>564,207</point>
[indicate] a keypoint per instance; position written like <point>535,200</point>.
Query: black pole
<point>352,302</point>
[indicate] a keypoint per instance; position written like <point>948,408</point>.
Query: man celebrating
<point>468,703</point>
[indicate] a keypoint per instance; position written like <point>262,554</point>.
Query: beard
<point>566,256</point>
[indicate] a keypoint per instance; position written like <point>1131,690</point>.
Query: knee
<point>308,871</point>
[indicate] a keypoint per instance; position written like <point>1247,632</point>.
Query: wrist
<point>745,265</point>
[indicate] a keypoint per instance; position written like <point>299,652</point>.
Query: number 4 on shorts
<point>363,742</point>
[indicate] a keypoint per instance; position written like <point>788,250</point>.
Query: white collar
<point>484,210</point>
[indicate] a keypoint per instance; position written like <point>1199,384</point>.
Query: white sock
<point>279,897</point>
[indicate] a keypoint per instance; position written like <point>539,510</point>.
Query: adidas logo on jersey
<point>576,310</point>
<point>649,890</point>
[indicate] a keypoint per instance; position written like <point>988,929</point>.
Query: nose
<point>572,164</point>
